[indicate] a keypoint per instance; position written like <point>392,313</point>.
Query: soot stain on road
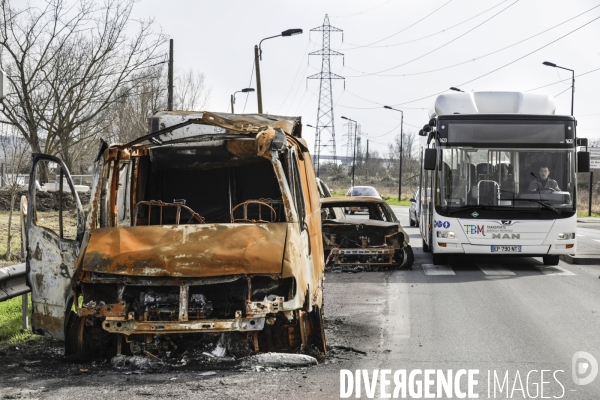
<point>39,368</point>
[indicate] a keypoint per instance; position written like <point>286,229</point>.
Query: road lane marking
<point>396,313</point>
<point>596,240</point>
<point>495,270</point>
<point>431,269</point>
<point>581,235</point>
<point>555,270</point>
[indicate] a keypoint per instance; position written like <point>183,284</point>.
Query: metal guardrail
<point>13,281</point>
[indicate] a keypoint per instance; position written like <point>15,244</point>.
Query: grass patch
<point>585,214</point>
<point>393,201</point>
<point>11,333</point>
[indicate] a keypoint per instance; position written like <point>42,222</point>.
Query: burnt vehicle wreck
<point>209,225</point>
<point>376,241</point>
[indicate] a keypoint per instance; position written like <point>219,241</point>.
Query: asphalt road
<point>512,319</point>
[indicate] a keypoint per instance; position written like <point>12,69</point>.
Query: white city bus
<point>503,171</point>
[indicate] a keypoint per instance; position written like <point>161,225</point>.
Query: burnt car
<point>378,240</point>
<point>209,225</point>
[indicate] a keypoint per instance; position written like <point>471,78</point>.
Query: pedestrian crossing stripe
<point>494,270</point>
<point>431,269</point>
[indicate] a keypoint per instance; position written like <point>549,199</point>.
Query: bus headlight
<point>445,234</point>
<point>566,236</point>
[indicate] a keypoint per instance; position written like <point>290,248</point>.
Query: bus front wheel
<point>440,259</point>
<point>551,260</point>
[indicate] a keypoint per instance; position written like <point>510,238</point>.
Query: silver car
<point>414,212</point>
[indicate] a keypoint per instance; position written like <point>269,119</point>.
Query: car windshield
<point>515,178</point>
<point>374,211</point>
<point>364,191</point>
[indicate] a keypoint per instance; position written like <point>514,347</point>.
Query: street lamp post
<point>258,57</point>
<point>246,90</point>
<point>549,64</point>
<point>401,150</point>
<point>354,153</point>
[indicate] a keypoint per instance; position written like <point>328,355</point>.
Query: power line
<point>249,85</point>
<point>562,91</point>
<point>362,12</point>
<point>530,53</point>
<point>562,80</point>
<point>430,35</point>
<point>402,30</point>
<point>444,45</point>
<point>503,66</point>
<point>476,58</point>
<point>296,76</point>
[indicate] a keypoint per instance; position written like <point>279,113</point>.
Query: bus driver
<point>543,182</point>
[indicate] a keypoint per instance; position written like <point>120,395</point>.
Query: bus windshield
<point>506,177</point>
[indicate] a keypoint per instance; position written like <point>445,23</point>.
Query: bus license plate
<point>506,249</point>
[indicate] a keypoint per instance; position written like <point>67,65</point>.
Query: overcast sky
<point>390,47</point>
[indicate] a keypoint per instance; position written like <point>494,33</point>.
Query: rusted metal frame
<point>31,206</point>
<point>96,200</point>
<point>113,193</point>
<point>244,206</point>
<point>134,184</point>
<point>60,205</point>
<point>92,277</point>
<point>161,204</point>
<point>207,119</point>
<point>184,292</point>
<point>130,326</point>
<point>335,253</point>
<point>290,212</point>
<point>103,310</point>
<point>177,214</point>
<point>291,215</point>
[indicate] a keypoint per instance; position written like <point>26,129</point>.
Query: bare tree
<point>14,151</point>
<point>127,119</point>
<point>67,64</point>
<point>190,91</point>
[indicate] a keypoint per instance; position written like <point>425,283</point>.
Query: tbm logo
<point>474,229</point>
<point>506,236</point>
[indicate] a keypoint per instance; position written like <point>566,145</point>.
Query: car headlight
<point>566,236</point>
<point>445,234</point>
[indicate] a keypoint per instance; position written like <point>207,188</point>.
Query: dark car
<point>376,240</point>
<point>414,212</point>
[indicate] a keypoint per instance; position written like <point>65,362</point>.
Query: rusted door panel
<point>313,223</point>
<point>187,250</point>
<point>50,260</point>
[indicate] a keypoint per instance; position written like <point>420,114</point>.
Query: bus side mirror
<point>582,142</point>
<point>583,161</point>
<point>429,159</point>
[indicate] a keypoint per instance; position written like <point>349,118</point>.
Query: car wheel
<point>412,222</point>
<point>440,259</point>
<point>408,257</point>
<point>352,212</point>
<point>318,329</point>
<point>551,260</point>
